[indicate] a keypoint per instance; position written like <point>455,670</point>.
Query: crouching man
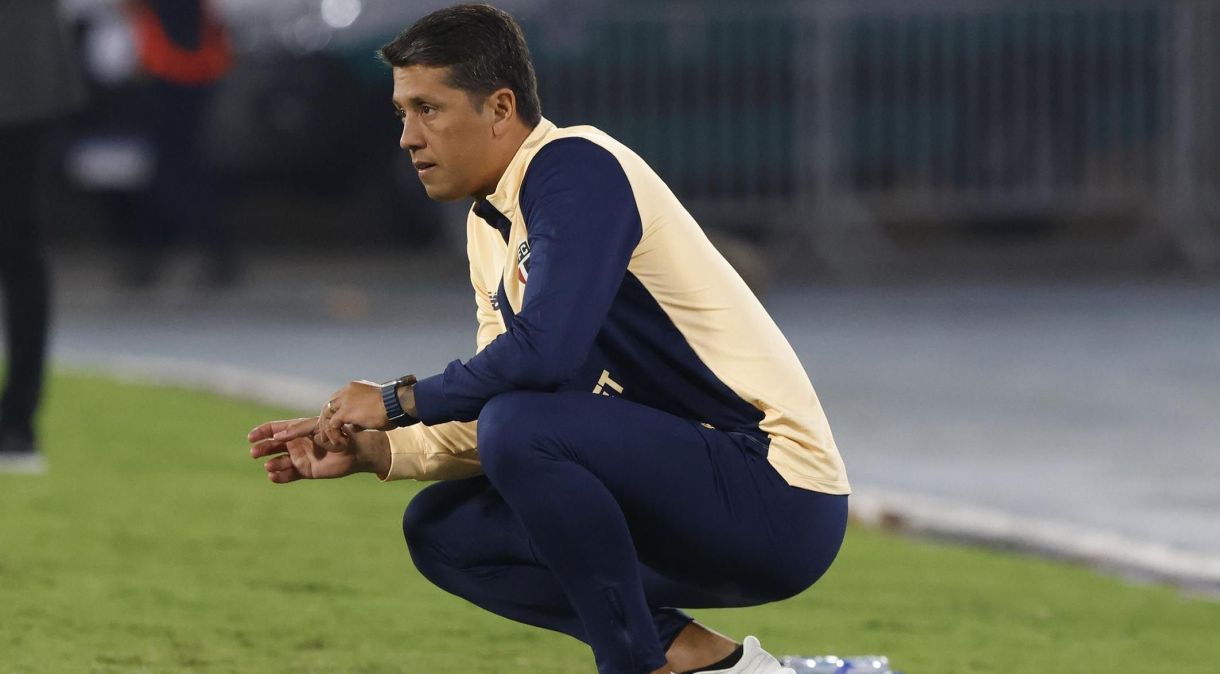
<point>634,435</point>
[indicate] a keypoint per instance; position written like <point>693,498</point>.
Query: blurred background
<point>875,136</point>
<point>990,228</point>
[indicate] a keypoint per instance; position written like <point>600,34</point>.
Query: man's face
<point>448,138</point>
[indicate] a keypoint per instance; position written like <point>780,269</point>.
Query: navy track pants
<point>597,517</point>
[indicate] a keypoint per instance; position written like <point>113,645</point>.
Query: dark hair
<point>483,47</point>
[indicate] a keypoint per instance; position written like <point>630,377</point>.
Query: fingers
<point>279,463</point>
<point>269,438</point>
<point>298,454</point>
<point>332,406</point>
<point>296,429</point>
<point>333,439</point>
<point>281,471</point>
<point>294,446</point>
<point>289,446</point>
<point>284,477</point>
<point>265,431</point>
<point>295,465</point>
<point>266,448</point>
<point>268,430</point>
<point>358,404</point>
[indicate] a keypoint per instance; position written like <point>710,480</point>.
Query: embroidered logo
<point>605,385</point>
<point>523,261</point>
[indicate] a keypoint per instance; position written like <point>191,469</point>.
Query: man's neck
<point>511,144</point>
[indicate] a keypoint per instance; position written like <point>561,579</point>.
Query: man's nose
<point>410,139</point>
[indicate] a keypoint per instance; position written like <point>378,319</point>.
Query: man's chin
<point>438,193</point>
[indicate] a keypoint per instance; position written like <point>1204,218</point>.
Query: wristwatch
<point>393,409</point>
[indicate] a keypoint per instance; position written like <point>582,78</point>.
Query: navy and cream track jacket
<point>589,275</point>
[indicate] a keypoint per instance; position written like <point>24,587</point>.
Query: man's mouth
<point>423,166</point>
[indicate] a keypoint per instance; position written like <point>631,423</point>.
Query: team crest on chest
<point>523,261</point>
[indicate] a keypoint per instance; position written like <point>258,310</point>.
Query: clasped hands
<point>333,444</point>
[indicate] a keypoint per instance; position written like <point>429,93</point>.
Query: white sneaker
<point>23,463</point>
<point>754,660</point>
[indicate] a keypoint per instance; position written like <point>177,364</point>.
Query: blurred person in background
<point>39,84</point>
<point>184,50</point>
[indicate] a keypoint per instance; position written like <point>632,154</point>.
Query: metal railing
<point>827,122</point>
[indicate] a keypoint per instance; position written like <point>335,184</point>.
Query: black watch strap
<point>389,397</point>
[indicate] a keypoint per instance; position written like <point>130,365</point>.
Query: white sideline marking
<point>938,517</point>
<point>881,507</point>
<point>304,395</point>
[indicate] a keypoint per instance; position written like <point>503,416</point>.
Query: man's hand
<point>298,453</point>
<point>357,405</point>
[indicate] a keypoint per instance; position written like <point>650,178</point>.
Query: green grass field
<point>156,545</point>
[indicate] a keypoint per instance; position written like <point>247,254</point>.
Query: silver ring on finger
<point>330,406</point>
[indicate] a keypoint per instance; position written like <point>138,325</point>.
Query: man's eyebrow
<point>414,102</point>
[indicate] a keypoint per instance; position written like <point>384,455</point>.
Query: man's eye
<point>399,113</point>
<point>426,109</point>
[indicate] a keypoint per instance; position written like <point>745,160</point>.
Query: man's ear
<point>503,104</point>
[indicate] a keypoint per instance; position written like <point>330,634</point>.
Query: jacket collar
<point>493,218</point>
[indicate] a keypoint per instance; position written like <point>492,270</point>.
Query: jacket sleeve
<point>445,451</point>
<point>583,225</point>
<point>442,452</point>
